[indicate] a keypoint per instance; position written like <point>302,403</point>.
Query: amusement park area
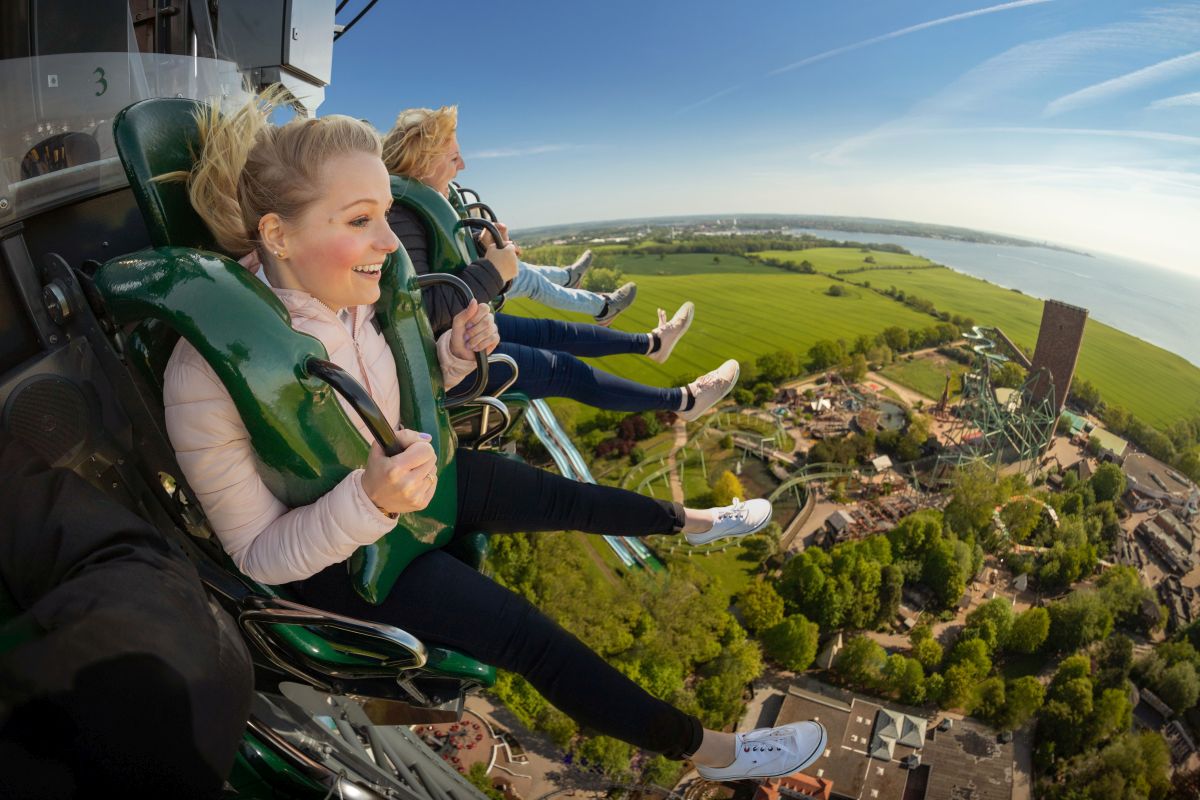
<point>1050,534</point>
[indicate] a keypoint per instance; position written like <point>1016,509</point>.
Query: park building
<point>1149,483</point>
<point>890,752</point>
<point>1178,558</point>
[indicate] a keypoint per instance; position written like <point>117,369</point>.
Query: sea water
<point>1158,305</point>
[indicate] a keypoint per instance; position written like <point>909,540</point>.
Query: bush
<point>603,279</point>
<point>725,488</point>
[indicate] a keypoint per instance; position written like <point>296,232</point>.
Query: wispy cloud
<point>1005,88</point>
<point>933,23</point>
<point>1015,76</point>
<point>707,100</point>
<point>839,154</point>
<point>515,152</point>
<point>1163,70</point>
<point>1192,99</point>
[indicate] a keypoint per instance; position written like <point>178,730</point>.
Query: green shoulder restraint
<point>303,441</point>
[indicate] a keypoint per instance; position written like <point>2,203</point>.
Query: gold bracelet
<point>386,513</point>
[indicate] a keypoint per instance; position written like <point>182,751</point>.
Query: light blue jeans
<point>547,285</point>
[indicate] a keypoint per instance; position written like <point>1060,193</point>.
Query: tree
<point>1122,590</point>
<point>777,367</point>
<point>603,279</point>
<point>958,687</point>
<point>891,587</point>
<point>895,337</point>
<point>611,755</point>
<point>1134,766</point>
<point>973,654</point>
<point>1114,660</point>
<point>992,622</point>
<point>914,534</point>
<point>761,606</point>
<point>1080,618</point>
<point>975,495</point>
<point>825,354</point>
<point>904,677</point>
<point>1108,482</point>
<point>929,653</point>
<point>860,661</point>
<point>1021,518</point>
<point>912,684</point>
<point>836,290</point>
<point>1028,632</point>
<point>558,726</point>
<point>725,488</point>
<point>660,771</point>
<point>792,642</point>
<point>1111,715</point>
<point>855,369</point>
<point>990,700</point>
<point>478,777</point>
<point>1009,375</point>
<point>1023,699</point>
<point>943,575</point>
<point>1179,686</point>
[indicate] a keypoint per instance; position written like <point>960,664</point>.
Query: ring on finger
<point>429,476</point>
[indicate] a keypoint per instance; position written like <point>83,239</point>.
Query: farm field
<point>746,309</point>
<point>743,310</point>
<point>831,259</point>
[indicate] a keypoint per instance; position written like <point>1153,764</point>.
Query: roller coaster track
<point>989,428</point>
<point>809,473</point>
<point>630,550</point>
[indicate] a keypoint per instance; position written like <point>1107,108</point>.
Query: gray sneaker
<point>616,302</point>
<point>577,269</point>
<point>707,390</point>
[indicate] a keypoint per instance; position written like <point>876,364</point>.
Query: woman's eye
<point>360,222</point>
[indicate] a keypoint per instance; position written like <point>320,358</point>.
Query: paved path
<point>1022,785</point>
<point>680,440</point>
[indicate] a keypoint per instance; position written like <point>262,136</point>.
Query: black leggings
<point>440,599</point>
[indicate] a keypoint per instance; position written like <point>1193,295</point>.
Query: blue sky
<point>1074,121</point>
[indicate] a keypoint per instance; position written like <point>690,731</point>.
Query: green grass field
<point>745,309</point>
<point>831,259</point>
<point>926,375</point>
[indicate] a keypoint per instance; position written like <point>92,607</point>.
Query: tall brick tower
<point>1059,340</point>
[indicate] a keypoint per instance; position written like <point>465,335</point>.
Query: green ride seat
<point>450,249</point>
<point>449,246</point>
<point>303,440</point>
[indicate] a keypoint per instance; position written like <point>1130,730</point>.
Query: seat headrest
<point>155,137</point>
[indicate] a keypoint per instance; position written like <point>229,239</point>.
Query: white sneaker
<point>735,521</point>
<point>708,390</point>
<point>670,332</point>
<point>772,752</point>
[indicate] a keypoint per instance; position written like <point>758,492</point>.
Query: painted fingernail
<point>426,436</point>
